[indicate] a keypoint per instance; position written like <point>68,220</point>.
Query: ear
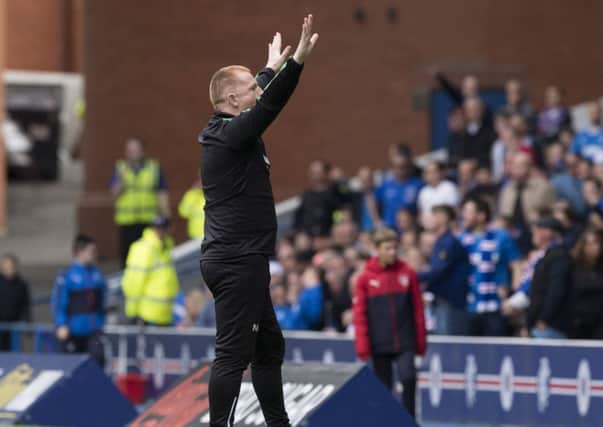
<point>233,100</point>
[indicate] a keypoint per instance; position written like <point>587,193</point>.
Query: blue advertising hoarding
<point>463,380</point>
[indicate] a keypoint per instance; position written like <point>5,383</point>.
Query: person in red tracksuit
<point>389,323</point>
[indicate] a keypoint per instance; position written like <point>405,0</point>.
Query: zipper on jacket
<point>392,307</point>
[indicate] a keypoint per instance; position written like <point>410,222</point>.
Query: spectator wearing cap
<point>588,143</point>
<point>549,314</point>
<point>523,197</point>
<point>437,190</point>
<point>447,276</point>
<point>572,224</point>
<point>150,283</point>
<point>492,253</point>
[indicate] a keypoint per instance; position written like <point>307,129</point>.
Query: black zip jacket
<point>550,297</point>
<point>240,218</point>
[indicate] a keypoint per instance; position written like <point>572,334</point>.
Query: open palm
<point>276,57</point>
<point>307,40</point>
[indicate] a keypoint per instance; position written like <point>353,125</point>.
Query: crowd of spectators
<point>506,236</point>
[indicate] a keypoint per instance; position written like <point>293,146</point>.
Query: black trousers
<point>5,341</point>
<point>246,332</point>
<point>128,234</point>
<point>90,344</point>
<point>405,371</point>
<point>488,325</point>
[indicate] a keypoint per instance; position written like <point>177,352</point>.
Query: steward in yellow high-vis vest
<point>138,203</point>
<point>192,208</point>
<point>140,192</point>
<point>150,283</point>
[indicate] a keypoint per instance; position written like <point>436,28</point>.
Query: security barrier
<point>462,380</point>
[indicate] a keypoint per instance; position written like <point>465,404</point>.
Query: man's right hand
<point>62,333</point>
<point>307,41</point>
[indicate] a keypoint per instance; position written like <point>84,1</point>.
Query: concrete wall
<point>147,70</point>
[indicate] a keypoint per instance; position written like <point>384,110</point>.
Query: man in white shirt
<point>437,191</point>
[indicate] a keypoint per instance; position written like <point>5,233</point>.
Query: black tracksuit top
<point>240,217</point>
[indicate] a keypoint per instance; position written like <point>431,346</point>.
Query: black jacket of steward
<point>550,295</point>
<point>240,218</point>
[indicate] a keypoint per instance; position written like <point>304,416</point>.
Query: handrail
<point>313,335</point>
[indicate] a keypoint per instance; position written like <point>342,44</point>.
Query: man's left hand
<point>276,58</point>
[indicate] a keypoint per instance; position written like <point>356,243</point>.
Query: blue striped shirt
<point>490,255</point>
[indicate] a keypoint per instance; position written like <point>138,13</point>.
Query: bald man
<point>240,228</point>
<point>523,198</point>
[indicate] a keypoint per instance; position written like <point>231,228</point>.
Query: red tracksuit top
<point>388,311</point>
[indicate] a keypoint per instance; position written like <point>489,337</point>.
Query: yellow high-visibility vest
<point>191,207</point>
<point>138,203</point>
<point>150,283</point>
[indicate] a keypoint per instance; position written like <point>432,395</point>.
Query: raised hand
<point>276,58</point>
<point>307,41</point>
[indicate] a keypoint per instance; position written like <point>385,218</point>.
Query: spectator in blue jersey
<point>187,308</point>
<point>207,317</point>
<point>491,253</point>
<point>78,302</point>
<point>367,199</point>
<point>588,143</point>
<point>278,295</point>
<point>447,276</point>
<point>305,302</point>
<point>397,191</point>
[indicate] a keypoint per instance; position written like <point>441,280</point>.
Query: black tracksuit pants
<point>246,332</point>
<point>406,373</point>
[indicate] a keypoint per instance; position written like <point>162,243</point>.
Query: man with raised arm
<point>240,228</point>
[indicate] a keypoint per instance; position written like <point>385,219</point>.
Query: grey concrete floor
<point>41,226</point>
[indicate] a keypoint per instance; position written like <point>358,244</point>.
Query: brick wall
<point>44,35</point>
<point>147,70</point>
